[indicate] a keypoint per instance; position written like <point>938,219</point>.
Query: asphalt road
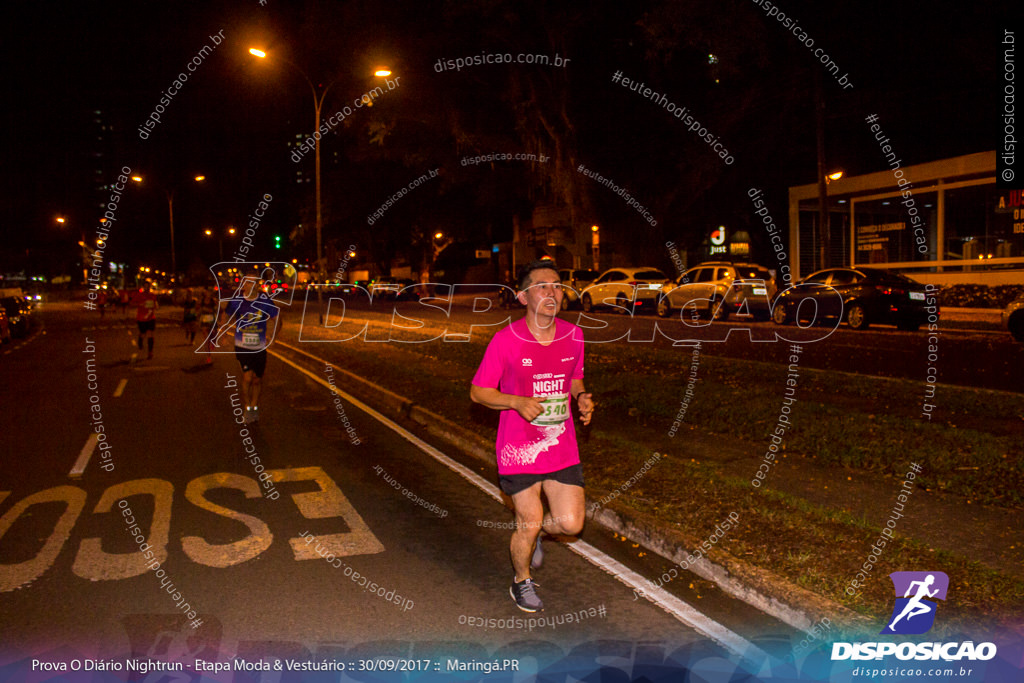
<point>233,550</point>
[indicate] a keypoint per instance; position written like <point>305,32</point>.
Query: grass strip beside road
<point>841,421</point>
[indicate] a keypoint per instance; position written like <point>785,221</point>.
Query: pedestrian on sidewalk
<point>146,306</point>
<point>532,371</point>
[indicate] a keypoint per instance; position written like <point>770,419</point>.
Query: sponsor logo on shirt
<point>527,362</point>
<point>566,360</point>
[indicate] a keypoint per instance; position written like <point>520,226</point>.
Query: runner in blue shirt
<point>250,310</point>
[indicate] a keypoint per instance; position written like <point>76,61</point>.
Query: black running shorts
<point>256,361</point>
<point>512,484</point>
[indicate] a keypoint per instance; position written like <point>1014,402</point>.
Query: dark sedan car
<point>860,296</point>
<point>19,311</point>
<point>1013,318</point>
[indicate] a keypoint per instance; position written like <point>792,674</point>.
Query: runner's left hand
<point>586,405</point>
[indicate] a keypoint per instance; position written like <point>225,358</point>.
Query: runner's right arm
<point>528,407</point>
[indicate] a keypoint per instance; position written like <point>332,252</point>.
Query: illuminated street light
<point>170,219</point>
<point>220,239</point>
<point>318,101</point>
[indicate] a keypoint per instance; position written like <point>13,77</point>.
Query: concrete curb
<point>768,592</point>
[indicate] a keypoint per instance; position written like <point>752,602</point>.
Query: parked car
<point>5,328</point>
<point>1013,318</point>
<point>720,288</point>
<point>19,314</point>
<point>624,287</point>
<point>860,296</point>
<point>384,289</point>
<point>575,281</point>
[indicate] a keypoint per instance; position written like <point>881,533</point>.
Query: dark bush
<point>979,296</point>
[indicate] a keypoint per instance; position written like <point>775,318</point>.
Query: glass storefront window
<point>888,231</point>
<point>984,222</point>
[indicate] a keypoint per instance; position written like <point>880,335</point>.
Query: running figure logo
<point>268,286</point>
<point>913,614</point>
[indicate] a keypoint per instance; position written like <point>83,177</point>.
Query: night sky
<point>930,71</point>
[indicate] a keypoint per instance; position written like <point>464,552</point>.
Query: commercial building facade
<point>943,222</point>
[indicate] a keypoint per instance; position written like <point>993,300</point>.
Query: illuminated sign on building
<point>718,240</point>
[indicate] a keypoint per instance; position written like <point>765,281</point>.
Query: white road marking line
<point>674,606</point>
<point>120,388</point>
<point>465,472</point>
<point>84,455</point>
<point>679,609</point>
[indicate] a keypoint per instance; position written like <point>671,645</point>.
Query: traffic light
<point>277,241</point>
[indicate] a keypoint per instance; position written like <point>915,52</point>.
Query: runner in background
<point>190,316</point>
<point>122,299</point>
<point>146,305</point>
<point>250,311</point>
<point>207,316</point>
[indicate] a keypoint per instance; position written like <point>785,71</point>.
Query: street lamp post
<point>318,101</point>
<point>170,220</point>
<point>220,240</point>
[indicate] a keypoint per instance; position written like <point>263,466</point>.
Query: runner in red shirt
<point>145,315</point>
<point>532,372</point>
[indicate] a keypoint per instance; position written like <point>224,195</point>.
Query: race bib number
<point>556,411</point>
<point>251,340</point>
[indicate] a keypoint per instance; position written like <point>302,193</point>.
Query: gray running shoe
<point>525,595</point>
<point>538,555</point>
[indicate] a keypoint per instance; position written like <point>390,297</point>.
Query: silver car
<point>575,281</point>
<point>625,288</point>
<point>717,288</point>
